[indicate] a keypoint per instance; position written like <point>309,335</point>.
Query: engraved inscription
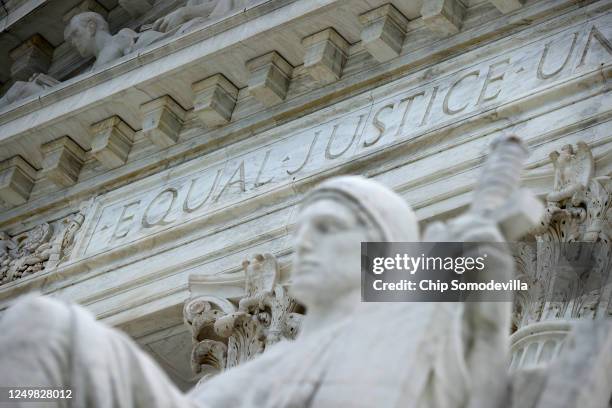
<point>194,190</point>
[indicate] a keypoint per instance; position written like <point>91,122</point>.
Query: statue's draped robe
<point>407,355</point>
<point>392,355</point>
<point>46,343</point>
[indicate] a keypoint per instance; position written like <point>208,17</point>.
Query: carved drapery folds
<point>578,211</point>
<point>226,335</point>
<point>42,248</point>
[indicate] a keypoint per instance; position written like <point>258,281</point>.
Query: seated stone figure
<point>196,12</point>
<point>348,353</point>
<point>89,33</point>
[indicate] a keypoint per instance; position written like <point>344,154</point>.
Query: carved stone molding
<point>42,248</point>
<point>578,211</point>
<point>16,181</point>
<point>162,121</point>
<point>112,141</point>
<point>136,8</point>
<point>226,335</point>
<point>326,54</point>
<point>507,6</point>
<point>443,16</point>
<point>384,31</point>
<point>215,99</point>
<point>63,161</point>
<point>270,78</point>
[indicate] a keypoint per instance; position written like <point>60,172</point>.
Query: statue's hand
<point>172,20</point>
<point>474,228</point>
<point>466,228</point>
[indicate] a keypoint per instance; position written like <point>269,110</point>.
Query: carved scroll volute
<point>265,315</point>
<point>225,336</point>
<point>268,300</point>
<point>209,353</point>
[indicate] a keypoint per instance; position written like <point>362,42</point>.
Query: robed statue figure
<point>348,353</point>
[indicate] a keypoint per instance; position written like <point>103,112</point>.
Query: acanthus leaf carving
<point>578,212</point>
<point>40,249</point>
<point>225,336</point>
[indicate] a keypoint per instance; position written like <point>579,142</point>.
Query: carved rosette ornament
<point>578,211</point>
<point>42,248</point>
<point>225,336</point>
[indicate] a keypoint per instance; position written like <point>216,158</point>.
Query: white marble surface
<point>134,274</point>
<point>87,99</point>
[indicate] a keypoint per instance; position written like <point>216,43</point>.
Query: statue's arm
<point>486,324</point>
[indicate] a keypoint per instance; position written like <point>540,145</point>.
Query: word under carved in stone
<point>42,248</point>
<point>225,336</point>
<point>576,223</point>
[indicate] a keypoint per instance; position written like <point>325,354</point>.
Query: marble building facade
<point>135,180</point>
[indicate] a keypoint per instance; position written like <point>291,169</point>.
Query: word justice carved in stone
<point>191,191</point>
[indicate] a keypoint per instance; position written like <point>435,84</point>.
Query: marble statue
<point>196,12</point>
<point>348,353</point>
<point>573,170</point>
<point>89,33</point>
<point>24,89</point>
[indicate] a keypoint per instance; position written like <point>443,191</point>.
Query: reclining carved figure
<point>196,12</point>
<point>89,33</point>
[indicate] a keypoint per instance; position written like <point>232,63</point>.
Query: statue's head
<point>335,218</point>
<point>82,30</point>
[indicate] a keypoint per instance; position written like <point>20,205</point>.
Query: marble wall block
<point>31,57</point>
<point>162,121</point>
<point>136,7</point>
<point>443,16</point>
<point>215,99</point>
<point>270,77</point>
<point>507,6</point>
<point>112,141</point>
<point>326,54</point>
<point>16,181</point>
<point>62,163</point>
<point>85,6</point>
<point>384,31</point>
